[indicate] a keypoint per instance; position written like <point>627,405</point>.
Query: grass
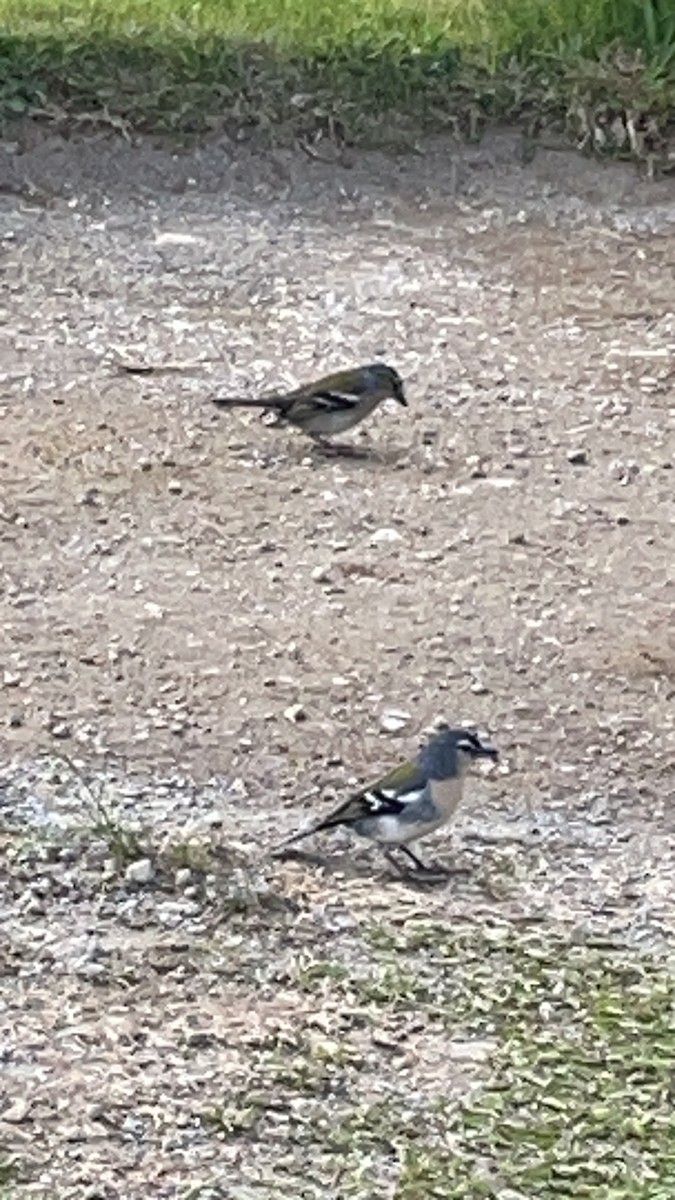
<point>605,69</point>
<point>576,1099</point>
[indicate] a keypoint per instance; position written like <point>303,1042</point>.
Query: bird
<point>330,405</point>
<point>412,800</point>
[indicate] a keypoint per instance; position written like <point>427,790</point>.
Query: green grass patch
<point>293,66</point>
<point>372,26</point>
<point>574,1099</point>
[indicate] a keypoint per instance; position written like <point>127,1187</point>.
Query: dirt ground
<point>215,624</point>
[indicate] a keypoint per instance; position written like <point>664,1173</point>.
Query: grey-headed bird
<point>331,405</point>
<point>413,799</point>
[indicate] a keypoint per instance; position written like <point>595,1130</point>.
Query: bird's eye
<point>469,743</point>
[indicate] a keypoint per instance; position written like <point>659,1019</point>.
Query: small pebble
<point>624,471</point>
<point>295,712</point>
<point>382,536</point>
<point>321,574</point>
<point>394,719</point>
<point>91,497</point>
<point>560,507</point>
<point>61,730</point>
<point>140,871</point>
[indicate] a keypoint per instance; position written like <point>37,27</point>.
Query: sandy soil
<point>216,622</point>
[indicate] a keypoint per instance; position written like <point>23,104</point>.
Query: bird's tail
<point>237,402</point>
<point>295,837</point>
<point>346,814</point>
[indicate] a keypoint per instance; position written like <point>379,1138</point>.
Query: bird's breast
<point>446,795</point>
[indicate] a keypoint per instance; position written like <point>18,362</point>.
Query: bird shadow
<point>355,456</point>
<point>347,866</point>
<point>350,457</point>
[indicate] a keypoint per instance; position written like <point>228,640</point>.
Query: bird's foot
<point>414,870</point>
<point>434,868</point>
<point>416,878</point>
<point>430,873</point>
<point>414,867</point>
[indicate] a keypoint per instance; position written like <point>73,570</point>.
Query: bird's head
<point>386,377</point>
<point>451,750</point>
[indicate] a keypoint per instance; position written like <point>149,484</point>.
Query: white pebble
<point>140,871</point>
<point>295,712</point>
<point>381,536</point>
<point>393,719</point>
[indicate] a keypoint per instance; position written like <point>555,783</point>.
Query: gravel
<point>210,632</point>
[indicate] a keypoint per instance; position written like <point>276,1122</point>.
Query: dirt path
<point>207,616</point>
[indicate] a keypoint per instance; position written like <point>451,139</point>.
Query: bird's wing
<point>333,393</point>
<point>354,383</point>
<point>335,400</point>
<point>310,403</point>
<point>386,797</point>
<point>407,777</point>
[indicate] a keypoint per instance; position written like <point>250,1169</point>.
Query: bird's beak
<point>399,396</point>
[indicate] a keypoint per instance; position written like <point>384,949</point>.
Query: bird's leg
<point>320,443</point>
<point>413,858</point>
<point>394,863</point>
<point>421,866</point>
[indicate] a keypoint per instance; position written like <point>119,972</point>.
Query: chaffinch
<point>331,405</point>
<point>413,799</point>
